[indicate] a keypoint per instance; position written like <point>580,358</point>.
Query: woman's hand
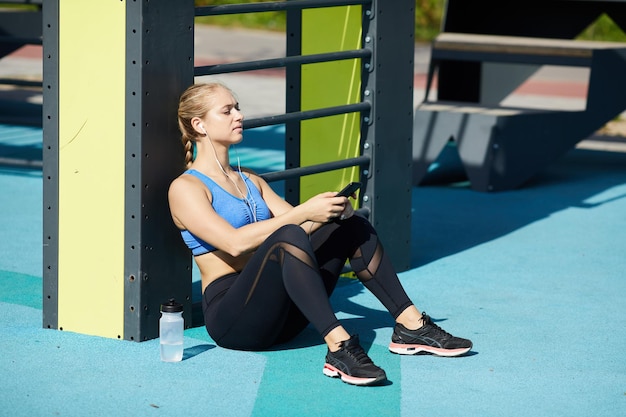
<point>347,212</point>
<point>326,207</point>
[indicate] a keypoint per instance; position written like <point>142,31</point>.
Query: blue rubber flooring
<point>536,277</point>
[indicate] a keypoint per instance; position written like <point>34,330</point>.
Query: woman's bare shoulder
<point>186,184</point>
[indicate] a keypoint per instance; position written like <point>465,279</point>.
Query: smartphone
<point>349,189</point>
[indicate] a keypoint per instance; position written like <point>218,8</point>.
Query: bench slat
<point>520,45</point>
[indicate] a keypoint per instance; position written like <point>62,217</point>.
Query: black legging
<point>288,281</point>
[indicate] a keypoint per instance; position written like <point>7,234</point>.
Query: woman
<point>268,268</point>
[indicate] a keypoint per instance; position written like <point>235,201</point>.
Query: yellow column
<point>91,167</point>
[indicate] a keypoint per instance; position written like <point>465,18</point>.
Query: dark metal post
<point>159,66</point>
<point>388,131</point>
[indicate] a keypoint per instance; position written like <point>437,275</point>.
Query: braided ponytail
<point>188,145</point>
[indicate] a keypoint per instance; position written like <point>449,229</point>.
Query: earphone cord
<point>246,197</point>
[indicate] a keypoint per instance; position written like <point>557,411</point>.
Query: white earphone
<point>203,129</point>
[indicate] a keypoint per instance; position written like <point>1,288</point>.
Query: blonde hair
<point>196,101</point>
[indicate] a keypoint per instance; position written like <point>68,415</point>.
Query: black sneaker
<point>352,365</point>
<point>429,338</point>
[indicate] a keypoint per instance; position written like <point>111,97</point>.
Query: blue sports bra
<point>236,211</point>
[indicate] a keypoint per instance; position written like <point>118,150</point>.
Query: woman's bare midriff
<point>216,264</point>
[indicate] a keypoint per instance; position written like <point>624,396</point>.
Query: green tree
<point>428,16</point>
<point>603,29</point>
<point>266,20</point>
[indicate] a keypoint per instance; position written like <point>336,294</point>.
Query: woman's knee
<point>357,229</point>
<point>360,222</point>
<point>290,233</point>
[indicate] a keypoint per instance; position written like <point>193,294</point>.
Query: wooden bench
<point>512,49</point>
<point>501,148</point>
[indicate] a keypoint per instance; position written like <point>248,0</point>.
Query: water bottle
<point>171,327</point>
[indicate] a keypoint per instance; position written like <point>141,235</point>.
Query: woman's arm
<point>191,209</point>
<point>278,205</point>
